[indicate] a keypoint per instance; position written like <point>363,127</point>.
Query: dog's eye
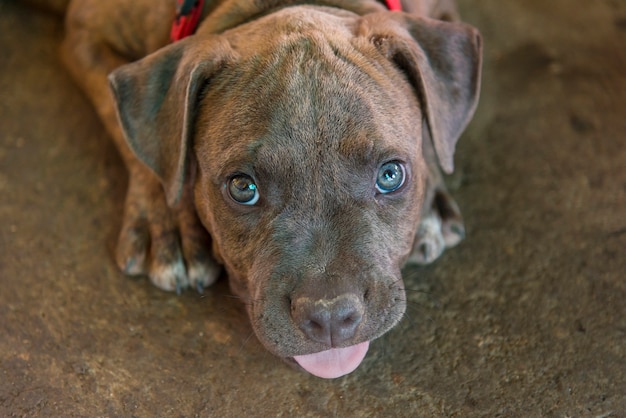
<point>390,177</point>
<point>243,190</point>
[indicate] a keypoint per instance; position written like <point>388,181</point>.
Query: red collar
<point>187,18</point>
<point>188,14</point>
<point>394,5</point>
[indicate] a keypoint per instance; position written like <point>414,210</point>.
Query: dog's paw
<point>429,243</point>
<point>441,227</point>
<point>169,246</point>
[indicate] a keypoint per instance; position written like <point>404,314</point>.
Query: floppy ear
<point>156,99</point>
<point>442,61</point>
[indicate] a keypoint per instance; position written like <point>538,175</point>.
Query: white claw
<point>170,277</point>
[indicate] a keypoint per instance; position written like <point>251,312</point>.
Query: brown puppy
<point>295,145</point>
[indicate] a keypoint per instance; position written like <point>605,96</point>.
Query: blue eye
<point>243,190</point>
<point>390,177</point>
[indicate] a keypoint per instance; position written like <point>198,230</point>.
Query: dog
<point>296,144</point>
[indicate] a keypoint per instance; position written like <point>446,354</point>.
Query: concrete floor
<point>527,318</point>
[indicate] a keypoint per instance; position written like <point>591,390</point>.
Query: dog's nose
<point>328,321</point>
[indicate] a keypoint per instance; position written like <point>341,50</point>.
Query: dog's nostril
<point>330,322</point>
<point>313,325</point>
<point>350,318</point>
<point>347,325</point>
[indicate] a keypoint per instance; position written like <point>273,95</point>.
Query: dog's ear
<point>442,61</point>
<point>156,99</point>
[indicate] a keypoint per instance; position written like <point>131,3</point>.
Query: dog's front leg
<point>441,224</point>
<point>167,244</point>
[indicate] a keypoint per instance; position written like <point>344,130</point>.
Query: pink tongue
<point>335,362</point>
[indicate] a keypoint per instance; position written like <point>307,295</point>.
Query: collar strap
<point>394,5</point>
<point>188,14</point>
<point>187,18</point>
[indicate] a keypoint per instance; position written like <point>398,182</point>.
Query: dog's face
<point>307,130</point>
<point>310,181</point>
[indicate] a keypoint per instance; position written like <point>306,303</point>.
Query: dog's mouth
<point>335,362</point>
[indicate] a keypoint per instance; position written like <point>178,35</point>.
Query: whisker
<point>245,342</point>
<point>418,308</point>
<point>385,343</point>
<point>395,283</point>
<point>421,309</point>
<point>414,295</point>
<point>409,318</point>
<point>244,301</point>
<point>426,292</point>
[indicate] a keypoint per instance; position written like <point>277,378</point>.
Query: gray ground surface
<point>526,318</point>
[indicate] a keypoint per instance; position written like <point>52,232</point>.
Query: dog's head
<point>302,134</point>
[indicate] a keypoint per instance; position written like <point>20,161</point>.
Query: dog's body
<point>299,137</point>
